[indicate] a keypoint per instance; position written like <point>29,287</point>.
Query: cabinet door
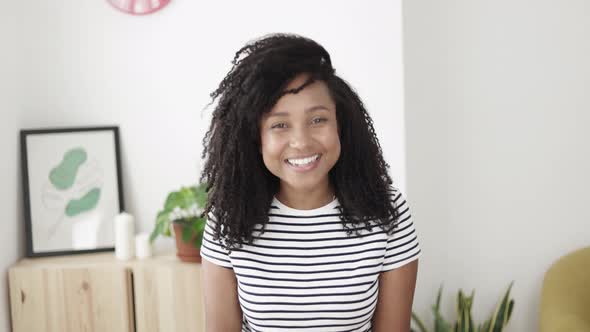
<point>168,298</point>
<point>62,299</point>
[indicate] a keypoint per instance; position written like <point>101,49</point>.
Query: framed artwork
<point>72,189</point>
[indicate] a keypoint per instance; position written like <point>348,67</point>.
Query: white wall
<point>84,63</point>
<point>497,145</point>
<point>10,190</point>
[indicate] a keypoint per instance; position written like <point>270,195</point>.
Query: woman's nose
<point>299,138</point>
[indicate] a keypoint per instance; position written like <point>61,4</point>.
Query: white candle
<point>143,247</point>
<point>124,236</point>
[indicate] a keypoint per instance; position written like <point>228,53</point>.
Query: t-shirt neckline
<point>329,207</point>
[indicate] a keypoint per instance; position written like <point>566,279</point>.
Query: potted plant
<point>183,216</point>
<point>496,323</point>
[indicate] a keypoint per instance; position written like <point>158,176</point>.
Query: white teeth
<point>303,161</point>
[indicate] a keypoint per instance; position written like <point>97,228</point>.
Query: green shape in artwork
<point>87,202</point>
<point>63,175</point>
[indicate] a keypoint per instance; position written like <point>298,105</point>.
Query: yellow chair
<point>565,298</point>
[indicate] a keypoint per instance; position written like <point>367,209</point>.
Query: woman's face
<point>299,137</point>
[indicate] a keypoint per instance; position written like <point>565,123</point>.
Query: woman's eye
<point>318,120</point>
<point>281,125</point>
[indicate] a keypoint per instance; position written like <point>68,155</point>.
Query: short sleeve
<point>402,245</point>
<point>212,249</point>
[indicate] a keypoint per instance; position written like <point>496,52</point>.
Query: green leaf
<point>173,200</point>
<point>418,322</point>
<point>199,224</point>
<point>188,197</point>
<point>443,326</point>
<point>459,308</point>
<point>199,228</point>
<point>157,231</point>
<point>500,317</point>
<point>201,195</point>
<point>162,225</point>
<point>187,234</point>
<point>464,304</point>
<point>485,327</point>
<point>510,307</point>
<point>163,217</point>
<point>468,321</point>
<point>198,240</point>
<point>440,324</point>
<point>440,289</point>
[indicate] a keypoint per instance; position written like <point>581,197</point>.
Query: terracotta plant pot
<point>186,251</point>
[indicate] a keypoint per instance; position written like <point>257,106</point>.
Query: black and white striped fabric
<point>304,273</point>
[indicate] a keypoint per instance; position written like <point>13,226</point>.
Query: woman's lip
<point>307,167</point>
<point>307,156</point>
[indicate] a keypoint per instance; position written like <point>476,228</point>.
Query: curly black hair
<point>240,187</point>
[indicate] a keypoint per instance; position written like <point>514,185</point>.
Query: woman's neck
<point>305,199</point>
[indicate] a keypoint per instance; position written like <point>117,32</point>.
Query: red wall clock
<point>138,7</point>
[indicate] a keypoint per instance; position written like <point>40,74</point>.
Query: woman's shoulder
<point>395,193</point>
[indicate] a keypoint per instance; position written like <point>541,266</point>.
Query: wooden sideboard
<point>98,293</point>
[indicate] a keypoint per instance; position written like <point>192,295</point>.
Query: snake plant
<point>464,323</point>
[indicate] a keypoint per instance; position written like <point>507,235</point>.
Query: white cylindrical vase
<point>124,236</point>
<point>143,247</point>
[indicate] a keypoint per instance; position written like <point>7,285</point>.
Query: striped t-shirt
<point>305,273</point>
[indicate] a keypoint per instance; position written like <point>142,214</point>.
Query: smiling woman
<point>300,143</point>
<point>305,230</point>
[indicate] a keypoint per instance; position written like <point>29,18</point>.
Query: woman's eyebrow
<point>307,110</point>
<point>316,108</point>
<point>273,114</point>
